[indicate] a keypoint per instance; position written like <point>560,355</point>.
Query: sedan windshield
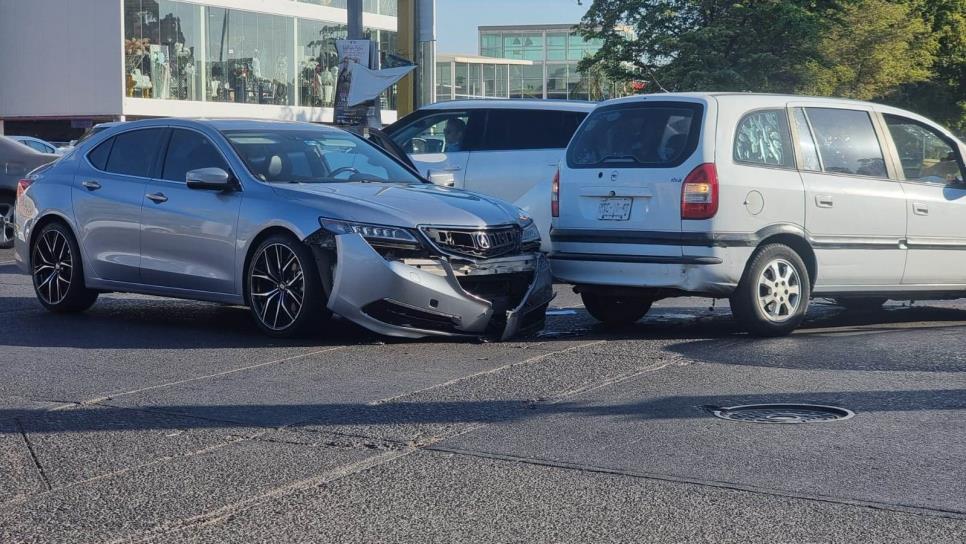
<point>314,156</point>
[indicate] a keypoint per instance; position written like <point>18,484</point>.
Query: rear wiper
<point>618,158</point>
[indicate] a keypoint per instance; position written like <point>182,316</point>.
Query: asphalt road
<point>153,420</point>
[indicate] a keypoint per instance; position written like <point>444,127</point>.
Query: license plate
<point>615,209</point>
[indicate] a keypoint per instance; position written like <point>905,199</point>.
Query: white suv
<point>508,149</point>
<point>766,199</point>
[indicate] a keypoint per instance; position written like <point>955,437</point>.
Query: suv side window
<point>189,150</point>
<point>444,132</point>
<point>133,152</point>
<point>925,154</point>
<point>762,138</point>
<point>847,143</point>
<point>514,129</point>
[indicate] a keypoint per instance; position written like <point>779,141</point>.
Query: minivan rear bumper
<point>704,271</point>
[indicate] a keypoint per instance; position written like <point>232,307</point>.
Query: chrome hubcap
<point>779,290</point>
<point>53,267</point>
<point>6,223</point>
<point>277,286</point>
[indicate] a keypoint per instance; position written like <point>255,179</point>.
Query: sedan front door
<point>188,235</point>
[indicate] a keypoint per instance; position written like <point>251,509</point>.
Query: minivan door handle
<point>919,208</point>
<point>91,185</point>
<point>824,201</point>
<point>157,197</point>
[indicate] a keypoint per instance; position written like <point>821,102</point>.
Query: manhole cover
<point>782,413</point>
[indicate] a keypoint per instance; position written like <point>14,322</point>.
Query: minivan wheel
<point>772,296</point>
<point>861,304</point>
<point>6,221</point>
<point>615,310</point>
<point>57,271</point>
<point>283,288</point>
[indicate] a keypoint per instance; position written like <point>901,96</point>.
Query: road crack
<point>33,456</point>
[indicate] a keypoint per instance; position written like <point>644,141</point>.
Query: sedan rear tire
<point>283,288</point>
<point>57,271</point>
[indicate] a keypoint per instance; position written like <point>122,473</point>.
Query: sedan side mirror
<point>214,179</point>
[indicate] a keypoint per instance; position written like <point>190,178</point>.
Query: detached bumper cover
<point>395,299</point>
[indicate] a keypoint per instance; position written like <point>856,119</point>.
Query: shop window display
<point>319,62</point>
<point>161,45</point>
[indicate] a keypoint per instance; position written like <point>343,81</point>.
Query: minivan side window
<point>133,152</point>
<point>925,154</point>
<point>658,134</point>
<point>847,143</point>
<point>806,143</point>
<point>762,138</point>
<point>513,129</point>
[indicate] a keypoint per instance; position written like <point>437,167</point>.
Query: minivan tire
<point>861,304</point>
<point>613,310</point>
<point>276,315</point>
<point>57,271</point>
<point>773,294</point>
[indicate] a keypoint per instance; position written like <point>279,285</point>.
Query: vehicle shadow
<point>322,416</point>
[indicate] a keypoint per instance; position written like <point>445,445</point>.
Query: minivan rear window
<point>659,134</point>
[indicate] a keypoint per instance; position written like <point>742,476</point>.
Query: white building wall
<point>60,58</point>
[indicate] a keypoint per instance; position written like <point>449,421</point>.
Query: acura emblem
<point>482,240</point>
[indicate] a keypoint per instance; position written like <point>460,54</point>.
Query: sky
<point>456,20</point>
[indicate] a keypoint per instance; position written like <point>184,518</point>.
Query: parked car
<point>768,200</point>
<point>93,131</point>
<point>37,144</point>
<point>503,148</point>
<point>293,220</point>
<point>16,160</point>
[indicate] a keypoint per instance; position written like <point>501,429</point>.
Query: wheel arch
<point>797,239</point>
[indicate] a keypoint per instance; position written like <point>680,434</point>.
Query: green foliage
<point>907,52</point>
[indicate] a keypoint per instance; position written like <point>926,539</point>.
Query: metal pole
<point>354,8</point>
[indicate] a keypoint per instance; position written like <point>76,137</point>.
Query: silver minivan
<point>767,200</point>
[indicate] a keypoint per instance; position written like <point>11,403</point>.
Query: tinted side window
<point>189,150</point>
<point>133,152</point>
<point>637,135</point>
<point>530,129</point>
<point>98,156</point>
<point>847,143</point>
<point>762,138</point>
<point>925,154</point>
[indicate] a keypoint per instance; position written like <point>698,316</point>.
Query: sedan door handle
<point>91,185</point>
<point>919,208</point>
<point>157,197</point>
<point>824,201</point>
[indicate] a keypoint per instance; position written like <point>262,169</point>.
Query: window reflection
<point>161,46</point>
<point>249,57</point>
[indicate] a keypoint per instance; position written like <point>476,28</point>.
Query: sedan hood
<point>400,204</point>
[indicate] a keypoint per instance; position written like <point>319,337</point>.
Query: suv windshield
<point>314,156</point>
<point>637,135</point>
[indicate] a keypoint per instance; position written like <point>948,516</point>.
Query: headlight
<point>531,234</point>
<point>379,234</point>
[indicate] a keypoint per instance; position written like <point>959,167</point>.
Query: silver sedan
<point>295,221</point>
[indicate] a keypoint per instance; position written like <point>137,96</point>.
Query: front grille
<point>478,243</point>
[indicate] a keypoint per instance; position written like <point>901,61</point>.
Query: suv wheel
<point>615,310</point>
<point>6,221</point>
<point>58,274</point>
<point>772,297</point>
<point>283,287</point>
<point>861,304</point>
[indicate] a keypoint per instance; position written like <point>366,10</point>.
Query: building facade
<point>554,51</point>
<point>461,77</point>
<point>100,60</point>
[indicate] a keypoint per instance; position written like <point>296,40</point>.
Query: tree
<point>756,45</point>
<point>876,46</point>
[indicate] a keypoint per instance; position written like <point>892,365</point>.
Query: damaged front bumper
<point>415,298</point>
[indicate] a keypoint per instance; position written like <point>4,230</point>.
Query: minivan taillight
<point>22,186</point>
<point>555,195</point>
<point>699,193</point>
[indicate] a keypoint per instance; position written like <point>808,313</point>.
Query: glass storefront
<point>465,80</point>
<point>381,7</point>
<point>185,51</point>
<point>555,53</point>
